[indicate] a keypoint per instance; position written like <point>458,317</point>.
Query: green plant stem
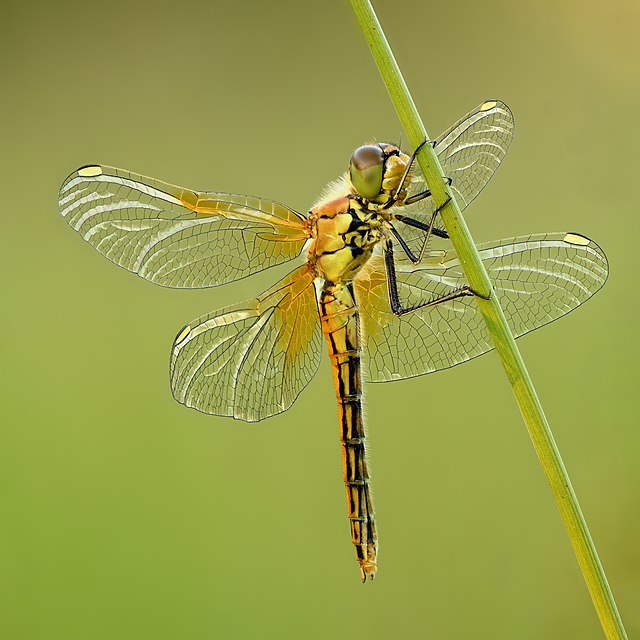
<point>523,389</point>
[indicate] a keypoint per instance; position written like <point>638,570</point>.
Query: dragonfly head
<point>368,169</point>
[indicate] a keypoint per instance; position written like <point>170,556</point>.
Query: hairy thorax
<point>345,233</point>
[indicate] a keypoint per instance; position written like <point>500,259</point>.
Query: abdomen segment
<point>340,327</point>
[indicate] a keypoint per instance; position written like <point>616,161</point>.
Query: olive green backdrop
<point>126,515</point>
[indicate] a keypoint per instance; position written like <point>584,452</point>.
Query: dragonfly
<point>369,278</point>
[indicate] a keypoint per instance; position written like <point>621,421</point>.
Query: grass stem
<point>523,389</point>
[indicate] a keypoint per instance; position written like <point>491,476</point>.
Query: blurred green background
<point>126,515</point>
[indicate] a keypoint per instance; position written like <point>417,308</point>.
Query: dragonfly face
<point>404,312</point>
<point>375,171</point>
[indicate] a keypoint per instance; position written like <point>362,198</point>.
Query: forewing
<point>538,279</point>
<point>251,360</point>
<point>177,237</point>
<point>469,152</point>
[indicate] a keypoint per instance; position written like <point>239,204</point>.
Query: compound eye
<point>366,169</point>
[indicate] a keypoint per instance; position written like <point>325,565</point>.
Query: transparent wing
<point>469,152</point>
<point>177,237</point>
<point>250,360</point>
<point>538,279</point>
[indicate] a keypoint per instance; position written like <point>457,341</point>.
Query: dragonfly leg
<point>416,197</point>
<point>394,297</point>
<point>429,228</point>
<point>424,226</point>
<point>405,247</point>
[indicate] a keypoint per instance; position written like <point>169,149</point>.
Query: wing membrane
<point>250,360</point>
<point>538,279</point>
<point>469,152</point>
<point>177,237</point>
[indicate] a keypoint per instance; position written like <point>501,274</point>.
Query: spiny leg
<point>394,296</point>
<point>425,227</point>
<point>433,219</point>
<point>405,247</point>
<point>416,197</point>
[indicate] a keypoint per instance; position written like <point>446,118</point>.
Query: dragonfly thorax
<point>346,230</point>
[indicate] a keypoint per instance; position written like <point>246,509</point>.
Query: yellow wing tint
<point>177,237</point>
<point>537,278</point>
<point>250,360</point>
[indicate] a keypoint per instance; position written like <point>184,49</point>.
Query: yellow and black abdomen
<point>340,327</point>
